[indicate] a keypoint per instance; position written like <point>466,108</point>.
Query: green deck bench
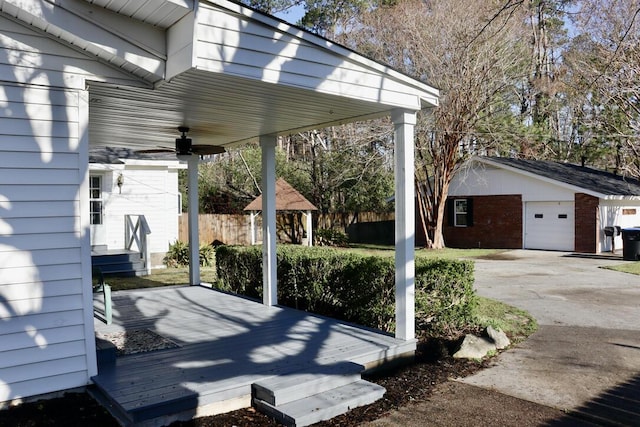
<point>100,286</point>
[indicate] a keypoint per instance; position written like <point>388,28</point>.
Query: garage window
<point>460,212</point>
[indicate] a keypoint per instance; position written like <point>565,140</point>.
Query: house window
<point>95,200</point>
<point>460,213</point>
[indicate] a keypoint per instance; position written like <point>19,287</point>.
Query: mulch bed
<point>137,341</point>
<point>413,382</point>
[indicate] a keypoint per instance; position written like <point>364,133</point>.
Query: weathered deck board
<point>227,344</point>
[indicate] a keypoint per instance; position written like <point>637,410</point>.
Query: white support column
<point>309,230</point>
<point>269,272</point>
<point>194,236</point>
<point>404,122</point>
<point>253,227</point>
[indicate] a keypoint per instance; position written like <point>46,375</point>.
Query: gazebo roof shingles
<point>287,199</point>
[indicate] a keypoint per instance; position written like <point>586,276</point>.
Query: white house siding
<point>623,213</point>
<point>42,313</point>
<point>487,181</point>
<point>237,45</point>
<point>46,319</point>
<point>148,190</point>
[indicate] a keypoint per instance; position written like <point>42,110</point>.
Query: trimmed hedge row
<point>353,287</point>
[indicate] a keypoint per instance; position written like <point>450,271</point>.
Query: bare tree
<point>605,63</point>
<point>473,52</point>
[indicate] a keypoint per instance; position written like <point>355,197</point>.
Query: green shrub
<point>354,287</point>
<point>178,255</point>
<point>445,299</point>
<point>330,237</point>
<point>240,269</point>
<point>207,255</point>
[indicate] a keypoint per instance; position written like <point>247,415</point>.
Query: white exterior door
<point>549,225</point>
<point>96,211</point>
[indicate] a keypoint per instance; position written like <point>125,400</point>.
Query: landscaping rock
<point>499,338</point>
<point>474,347</point>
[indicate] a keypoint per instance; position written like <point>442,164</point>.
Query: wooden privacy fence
<point>236,229</point>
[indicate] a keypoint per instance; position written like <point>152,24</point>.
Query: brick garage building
<point>513,204</point>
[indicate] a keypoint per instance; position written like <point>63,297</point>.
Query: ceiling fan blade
<point>207,149</point>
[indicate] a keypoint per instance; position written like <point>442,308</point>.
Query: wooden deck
<point>226,343</point>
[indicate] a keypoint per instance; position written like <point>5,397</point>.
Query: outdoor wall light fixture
<point>120,183</point>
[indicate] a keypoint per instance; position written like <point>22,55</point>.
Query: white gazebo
<point>287,199</point>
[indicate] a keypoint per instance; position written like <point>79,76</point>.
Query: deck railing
<point>136,230</point>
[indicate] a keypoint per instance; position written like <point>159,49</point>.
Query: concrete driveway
<point>587,348</point>
<point>584,358</point>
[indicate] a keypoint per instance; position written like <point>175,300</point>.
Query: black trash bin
<point>631,244</point>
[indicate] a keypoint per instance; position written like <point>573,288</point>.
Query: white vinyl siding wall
<point>46,319</point>
<point>39,60</point>
<point>239,46</point>
<point>42,311</point>
<point>486,181</point>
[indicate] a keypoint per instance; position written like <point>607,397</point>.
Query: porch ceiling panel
<point>159,13</point>
<point>220,110</point>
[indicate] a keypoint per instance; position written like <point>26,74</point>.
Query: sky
<point>291,15</point>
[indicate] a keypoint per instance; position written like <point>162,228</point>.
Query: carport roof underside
<point>229,73</point>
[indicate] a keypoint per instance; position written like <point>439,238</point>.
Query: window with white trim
<point>95,199</point>
<point>460,213</point>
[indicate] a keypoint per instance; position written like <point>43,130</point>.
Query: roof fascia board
<point>614,198</point>
<point>105,167</point>
<point>541,178</point>
<point>171,164</point>
<point>428,94</point>
<point>181,42</point>
<point>57,19</point>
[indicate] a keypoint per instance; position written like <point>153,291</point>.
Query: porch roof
<point>229,73</point>
<point>287,199</point>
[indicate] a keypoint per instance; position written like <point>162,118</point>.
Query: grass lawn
<point>516,323</point>
<point>160,277</point>
<point>627,267</point>
<point>447,253</point>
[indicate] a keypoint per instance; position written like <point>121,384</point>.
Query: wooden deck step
<point>323,406</point>
<point>124,263</point>
<point>282,389</point>
<point>105,353</point>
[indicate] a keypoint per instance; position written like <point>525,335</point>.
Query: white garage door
<point>549,225</point>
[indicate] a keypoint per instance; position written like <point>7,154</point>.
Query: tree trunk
<point>439,207</point>
<point>424,213</point>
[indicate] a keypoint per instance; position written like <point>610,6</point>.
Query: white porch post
<point>253,227</point>
<point>269,272</point>
<point>194,236</point>
<point>404,122</point>
<point>309,230</point>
